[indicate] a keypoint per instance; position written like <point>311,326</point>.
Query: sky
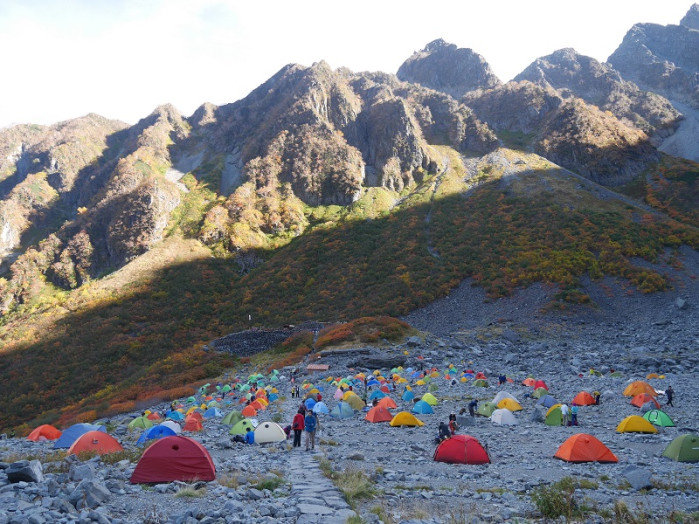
<point>62,59</point>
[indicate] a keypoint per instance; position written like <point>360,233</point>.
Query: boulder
<point>89,494</point>
<point>639,478</point>
<point>25,471</point>
<point>80,472</point>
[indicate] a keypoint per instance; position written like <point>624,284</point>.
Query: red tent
<point>192,424</point>
<point>481,375</point>
<point>98,441</point>
<point>174,458</point>
<point>461,449</point>
<point>641,399</point>
<point>44,432</point>
<point>540,384</point>
<point>584,399</point>
<point>379,414</point>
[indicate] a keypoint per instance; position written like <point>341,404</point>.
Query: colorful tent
<point>408,395</point>
<point>547,401</point>
<point>44,432</point>
<point>249,411</point>
<point>155,432</point>
<point>213,413</point>
<point>635,424</point>
<point>355,402</point>
<point>174,458</point>
<point>486,408</point>
<point>642,398</point>
<point>584,399</point>
<point>177,416</point>
<point>321,408</point>
<point>96,441</point>
<point>141,422</point>
<point>342,410</point>
<point>388,403</point>
<point>554,416</point>
<point>528,382</point>
<point>508,403</point>
<point>192,424</point>
<point>659,418</point>
<point>540,392</point>
<point>461,449</point>
<point>423,408</point>
<point>503,395</point>
<point>684,448</point>
<point>377,394</point>
<point>480,383</point>
<point>430,399</point>
<point>72,434</point>
<point>241,427</point>
<point>503,417</point>
<point>540,384</point>
<point>269,432</point>
<point>406,419</point>
<point>638,387</point>
<point>378,414</point>
<point>174,426</point>
<point>232,417</point>
<point>582,447</point>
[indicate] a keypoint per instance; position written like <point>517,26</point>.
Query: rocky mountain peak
<point>691,19</point>
<point>445,67</point>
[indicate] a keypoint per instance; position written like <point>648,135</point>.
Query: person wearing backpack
<point>298,426</point>
<point>310,426</point>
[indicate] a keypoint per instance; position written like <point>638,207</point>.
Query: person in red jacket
<point>298,425</point>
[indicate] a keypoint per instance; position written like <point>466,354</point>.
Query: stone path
<point>319,499</point>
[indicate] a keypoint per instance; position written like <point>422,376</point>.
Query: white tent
<point>503,417</point>
<point>174,426</point>
<point>269,432</point>
<point>501,395</point>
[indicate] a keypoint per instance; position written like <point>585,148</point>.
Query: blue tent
<point>408,395</point>
<point>272,397</point>
<point>373,382</point>
<point>155,432</point>
<point>547,401</point>
<point>342,410</point>
<point>73,433</point>
<point>321,408</point>
<point>174,415</point>
<point>309,402</point>
<point>213,412</point>
<point>422,407</point>
<point>377,394</point>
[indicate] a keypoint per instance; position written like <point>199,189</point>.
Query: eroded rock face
<point>601,85</point>
<point>663,59</point>
<point>445,67</point>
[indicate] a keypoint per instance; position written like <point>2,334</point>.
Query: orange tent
<point>44,432</point>
<point>584,399</point>
<point>249,411</point>
<point>638,387</point>
<point>197,416</point>
<point>641,399</point>
<point>192,424</point>
<point>584,448</point>
<point>378,414</point>
<point>256,405</point>
<point>528,382</point>
<point>98,441</point>
<point>481,375</point>
<point>154,416</point>
<point>260,393</point>
<point>388,403</point>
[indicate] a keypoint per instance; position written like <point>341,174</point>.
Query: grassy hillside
<point>138,333</point>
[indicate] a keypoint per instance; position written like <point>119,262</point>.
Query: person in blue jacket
<point>310,426</point>
<point>250,436</point>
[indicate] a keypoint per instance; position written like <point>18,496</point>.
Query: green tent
<point>226,388</point>
<point>241,427</point>
<point>684,448</point>
<point>141,422</point>
<point>430,399</point>
<point>554,418</point>
<point>486,408</point>
<point>481,383</point>
<point>659,418</point>
<point>540,392</point>
<point>232,418</point>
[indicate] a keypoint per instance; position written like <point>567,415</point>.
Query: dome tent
<point>97,441</point>
<point>582,447</point>
<point>174,458</point>
<point>461,449</point>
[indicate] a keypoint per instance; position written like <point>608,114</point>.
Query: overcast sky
<point>63,59</point>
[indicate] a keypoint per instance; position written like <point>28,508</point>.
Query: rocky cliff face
<point>691,19</point>
<point>663,59</point>
<point>567,131</point>
<point>446,68</point>
<point>601,85</point>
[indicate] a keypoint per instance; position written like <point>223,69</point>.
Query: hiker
<point>564,414</point>
<point>298,425</point>
<point>574,414</point>
<point>453,426</point>
<point>302,409</point>
<point>319,397</point>
<point>597,396</point>
<point>250,436</point>
<point>239,438</point>
<point>287,430</point>
<point>502,379</point>
<point>443,432</point>
<point>669,393</point>
<point>375,402</point>
<point>472,407</point>
<point>310,425</point>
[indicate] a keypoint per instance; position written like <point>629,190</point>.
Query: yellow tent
<point>356,402</point>
<point>635,424</point>
<point>638,387</point>
<point>420,383</point>
<point>652,375</point>
<point>430,399</point>
<point>348,394</point>
<point>464,379</point>
<point>510,404</point>
<point>406,419</point>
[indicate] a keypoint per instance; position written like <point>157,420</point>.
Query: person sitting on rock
<point>250,436</point>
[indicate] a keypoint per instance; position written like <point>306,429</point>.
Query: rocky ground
<point>625,331</point>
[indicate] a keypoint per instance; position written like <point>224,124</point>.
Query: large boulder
<point>89,494</point>
<point>25,471</point>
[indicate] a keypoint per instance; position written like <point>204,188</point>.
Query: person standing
<point>669,393</point>
<point>298,425</point>
<point>574,414</point>
<point>310,426</point>
<point>472,407</point>
<point>453,426</point>
<point>564,414</point>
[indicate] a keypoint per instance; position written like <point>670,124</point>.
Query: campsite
<point>382,463</point>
